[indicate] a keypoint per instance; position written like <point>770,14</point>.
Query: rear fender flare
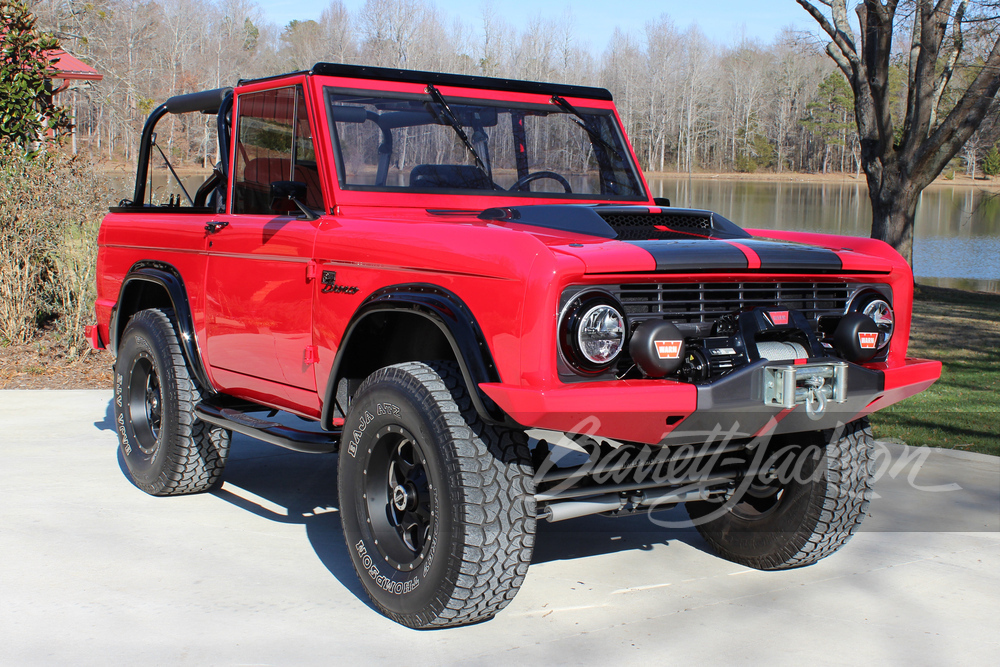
<point>170,281</point>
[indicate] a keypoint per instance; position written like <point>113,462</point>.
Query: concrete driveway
<point>93,571</point>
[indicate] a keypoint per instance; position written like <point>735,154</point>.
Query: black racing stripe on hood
<point>776,256</point>
<point>694,255</point>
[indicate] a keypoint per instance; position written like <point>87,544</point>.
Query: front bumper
<point>672,412</point>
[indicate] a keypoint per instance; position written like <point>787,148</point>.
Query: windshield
<point>394,142</point>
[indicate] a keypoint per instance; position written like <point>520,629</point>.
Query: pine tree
<point>831,116</point>
<point>991,163</point>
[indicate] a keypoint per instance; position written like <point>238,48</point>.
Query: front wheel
<point>437,507</point>
<point>809,499</point>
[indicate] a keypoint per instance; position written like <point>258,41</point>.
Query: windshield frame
<point>346,193</point>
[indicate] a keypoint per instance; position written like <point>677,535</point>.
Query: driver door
<point>259,298</point>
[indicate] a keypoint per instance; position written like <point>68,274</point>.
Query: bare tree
<point>388,27</point>
<point>339,45</point>
<point>490,48</point>
<point>688,103</point>
<point>899,167</point>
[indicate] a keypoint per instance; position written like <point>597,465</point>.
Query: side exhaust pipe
<point>612,502</point>
<point>576,508</point>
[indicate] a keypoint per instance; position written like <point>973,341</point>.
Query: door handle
<point>215,225</point>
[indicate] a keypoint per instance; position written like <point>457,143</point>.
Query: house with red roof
<point>65,70</point>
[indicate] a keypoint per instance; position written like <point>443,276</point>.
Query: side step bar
<point>235,418</point>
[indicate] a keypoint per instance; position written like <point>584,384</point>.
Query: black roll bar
<point>206,101</point>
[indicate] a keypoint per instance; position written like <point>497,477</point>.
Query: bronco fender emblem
<point>329,280</point>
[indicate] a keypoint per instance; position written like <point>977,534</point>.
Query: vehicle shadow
<point>108,423</point>
<point>289,487</point>
<point>598,535</point>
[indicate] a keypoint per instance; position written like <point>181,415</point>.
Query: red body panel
<point>622,410</point>
<point>268,333</point>
<point>177,240</point>
<point>256,263</point>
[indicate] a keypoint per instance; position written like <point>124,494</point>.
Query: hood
<point>641,238</point>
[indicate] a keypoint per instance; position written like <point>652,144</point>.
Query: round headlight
<point>600,334</point>
<point>593,332</point>
<point>881,312</point>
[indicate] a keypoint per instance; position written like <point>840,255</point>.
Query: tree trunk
<point>894,206</point>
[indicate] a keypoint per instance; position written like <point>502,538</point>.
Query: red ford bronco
<point>452,278</point>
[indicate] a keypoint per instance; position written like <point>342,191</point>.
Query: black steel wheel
<point>167,450</point>
<point>437,507</point>
<point>801,514</point>
<point>400,504</point>
<point>145,400</point>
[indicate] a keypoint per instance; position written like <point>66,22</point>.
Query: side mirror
<point>283,194</point>
<point>287,196</point>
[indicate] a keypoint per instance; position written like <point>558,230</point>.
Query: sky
<point>595,20</point>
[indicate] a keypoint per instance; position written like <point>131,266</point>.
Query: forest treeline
<point>689,103</point>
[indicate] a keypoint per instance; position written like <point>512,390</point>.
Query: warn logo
<point>668,349</point>
<point>779,317</point>
<point>867,340</point>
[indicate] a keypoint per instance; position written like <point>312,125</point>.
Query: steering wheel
<point>534,176</point>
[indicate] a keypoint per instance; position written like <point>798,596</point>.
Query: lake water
<point>956,240</point>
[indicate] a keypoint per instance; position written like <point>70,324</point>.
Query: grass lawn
<point>960,411</point>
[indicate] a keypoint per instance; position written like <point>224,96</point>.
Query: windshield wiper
<point>451,119</point>
<point>584,123</point>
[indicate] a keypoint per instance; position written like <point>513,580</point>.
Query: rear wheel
<point>437,506</point>
<point>167,449</point>
<point>800,514</point>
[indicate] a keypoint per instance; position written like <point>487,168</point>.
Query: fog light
<point>881,313</point>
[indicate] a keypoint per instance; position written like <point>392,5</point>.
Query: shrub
<point>50,208</point>
<point>72,295</point>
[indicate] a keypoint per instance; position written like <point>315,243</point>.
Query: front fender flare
<point>447,311</point>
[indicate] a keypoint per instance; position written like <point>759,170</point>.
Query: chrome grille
<point>706,302</point>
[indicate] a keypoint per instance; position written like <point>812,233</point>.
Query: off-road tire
<point>810,520</point>
<point>167,450</point>
<point>474,541</point>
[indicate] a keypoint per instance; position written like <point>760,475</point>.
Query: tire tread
<point>834,511</point>
<point>495,498</point>
<point>195,460</point>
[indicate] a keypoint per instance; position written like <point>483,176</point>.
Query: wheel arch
<point>446,329</point>
<point>159,285</point>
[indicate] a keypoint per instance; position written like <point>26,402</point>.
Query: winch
<point>735,340</point>
<point>660,348</point>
